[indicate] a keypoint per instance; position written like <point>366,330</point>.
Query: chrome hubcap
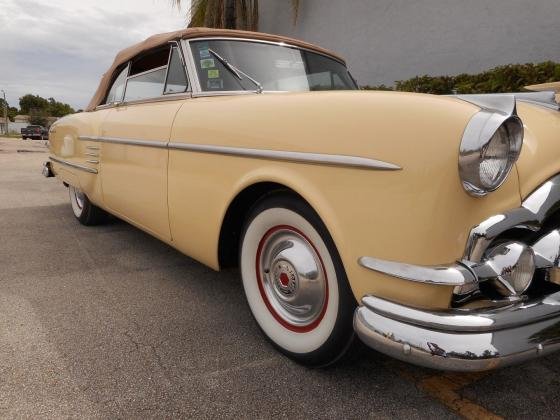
<point>292,278</point>
<point>79,198</point>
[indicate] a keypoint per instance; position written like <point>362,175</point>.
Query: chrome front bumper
<point>461,340</point>
<point>505,332</point>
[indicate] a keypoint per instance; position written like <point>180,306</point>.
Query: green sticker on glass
<point>213,74</point>
<point>208,63</point>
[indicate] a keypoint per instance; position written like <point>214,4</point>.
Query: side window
<point>117,89</point>
<point>176,78</point>
<point>147,75</point>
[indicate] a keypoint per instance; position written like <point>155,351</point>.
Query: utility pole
<point>5,112</point>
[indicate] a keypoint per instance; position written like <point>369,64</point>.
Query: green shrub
<point>509,78</point>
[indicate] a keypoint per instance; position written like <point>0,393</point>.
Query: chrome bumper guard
<point>461,339</point>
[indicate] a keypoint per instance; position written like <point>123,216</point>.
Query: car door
<point>135,136</point>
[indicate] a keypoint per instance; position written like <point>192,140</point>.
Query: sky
<point>61,48</point>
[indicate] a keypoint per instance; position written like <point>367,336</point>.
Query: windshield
<point>276,68</point>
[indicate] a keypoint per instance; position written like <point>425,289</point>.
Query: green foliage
<point>509,78</point>
<point>37,105</point>
<point>11,111</point>
<point>38,116</point>
<point>59,109</point>
<point>29,102</point>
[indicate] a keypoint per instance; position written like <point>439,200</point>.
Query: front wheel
<point>87,213</point>
<point>294,281</point>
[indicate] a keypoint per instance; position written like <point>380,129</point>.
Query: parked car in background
<point>34,132</point>
<point>428,225</point>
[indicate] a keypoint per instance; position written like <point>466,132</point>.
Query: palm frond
<point>295,9</point>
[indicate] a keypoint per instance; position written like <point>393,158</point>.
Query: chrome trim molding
<point>461,340</point>
<point>93,161</point>
<point>263,41</point>
<point>537,207</point>
<point>74,165</point>
<point>281,155</point>
<point>449,275</point>
<point>91,154</point>
<point>119,140</point>
<point>299,157</point>
<point>501,101</point>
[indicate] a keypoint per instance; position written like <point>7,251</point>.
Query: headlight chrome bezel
<point>482,130</point>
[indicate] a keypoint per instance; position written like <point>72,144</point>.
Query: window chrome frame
<point>191,66</point>
<point>163,97</point>
<point>175,44</point>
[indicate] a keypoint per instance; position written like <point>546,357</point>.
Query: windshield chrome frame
<point>195,80</point>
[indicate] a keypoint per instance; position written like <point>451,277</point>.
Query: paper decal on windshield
<point>215,84</point>
<point>207,63</point>
<point>213,74</point>
<point>203,51</point>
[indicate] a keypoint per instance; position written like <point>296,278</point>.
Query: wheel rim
<point>292,279</point>
<point>77,199</point>
<point>79,196</point>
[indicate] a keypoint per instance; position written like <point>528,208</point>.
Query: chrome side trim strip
<point>300,157</point>
<point>93,161</point>
<point>91,154</point>
<point>119,140</point>
<point>74,165</point>
<point>92,147</point>
<point>448,275</point>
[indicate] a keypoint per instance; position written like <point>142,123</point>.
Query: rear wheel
<point>294,281</point>
<point>87,213</point>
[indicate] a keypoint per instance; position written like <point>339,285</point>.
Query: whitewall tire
<point>294,281</point>
<point>87,213</point>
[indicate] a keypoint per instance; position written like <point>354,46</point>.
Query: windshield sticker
<point>207,63</point>
<point>215,84</point>
<point>213,74</point>
<point>203,51</point>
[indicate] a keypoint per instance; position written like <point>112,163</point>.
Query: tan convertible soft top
<point>160,39</point>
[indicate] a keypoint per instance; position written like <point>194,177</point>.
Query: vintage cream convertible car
<point>428,225</point>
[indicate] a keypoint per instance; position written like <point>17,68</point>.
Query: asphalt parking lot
<point>107,322</point>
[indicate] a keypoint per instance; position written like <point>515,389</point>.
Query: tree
<point>39,106</point>
<point>12,110</point>
<point>28,102</point>
<point>59,109</point>
<point>228,14</point>
<point>38,116</point>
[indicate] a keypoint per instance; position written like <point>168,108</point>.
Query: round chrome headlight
<point>490,147</point>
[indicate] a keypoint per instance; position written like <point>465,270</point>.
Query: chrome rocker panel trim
<point>461,340</point>
<point>74,165</point>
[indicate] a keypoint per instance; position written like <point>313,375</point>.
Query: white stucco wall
<point>388,40</point>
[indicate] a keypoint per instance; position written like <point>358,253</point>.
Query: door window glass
<point>146,85</point>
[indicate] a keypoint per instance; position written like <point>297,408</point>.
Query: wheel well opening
<point>230,233</point>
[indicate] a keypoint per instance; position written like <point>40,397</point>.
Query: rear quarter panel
<point>65,145</point>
